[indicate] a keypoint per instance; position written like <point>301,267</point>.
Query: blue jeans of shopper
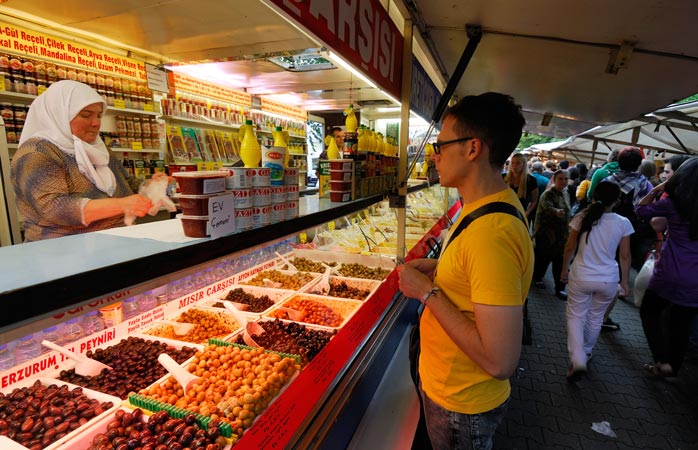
<point>457,431</point>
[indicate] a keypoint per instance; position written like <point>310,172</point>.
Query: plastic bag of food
<point>643,279</point>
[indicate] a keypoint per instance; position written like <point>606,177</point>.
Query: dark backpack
<point>626,208</point>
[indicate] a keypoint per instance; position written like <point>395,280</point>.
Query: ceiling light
<point>340,62</point>
<point>302,63</point>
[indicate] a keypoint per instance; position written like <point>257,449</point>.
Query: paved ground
<point>547,412</point>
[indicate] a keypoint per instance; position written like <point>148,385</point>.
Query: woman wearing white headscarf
<point>65,180</point>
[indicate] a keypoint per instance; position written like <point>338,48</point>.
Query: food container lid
<point>202,196</point>
<point>186,217</point>
<point>202,174</point>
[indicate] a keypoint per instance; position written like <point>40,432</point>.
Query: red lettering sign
<point>361,31</point>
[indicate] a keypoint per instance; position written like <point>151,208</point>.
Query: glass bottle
<point>27,348</point>
<point>93,323</point>
<point>72,331</point>
<point>7,359</point>
<point>147,302</point>
<point>130,308</point>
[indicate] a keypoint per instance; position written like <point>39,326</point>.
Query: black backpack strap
<point>489,208</point>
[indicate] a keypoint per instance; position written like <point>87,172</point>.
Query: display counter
<point>48,282</point>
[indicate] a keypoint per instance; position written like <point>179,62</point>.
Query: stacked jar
<point>130,129</point>
<point>14,116</point>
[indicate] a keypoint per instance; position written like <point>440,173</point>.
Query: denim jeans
<point>457,431</point>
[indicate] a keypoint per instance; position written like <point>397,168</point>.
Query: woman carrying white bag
<point>671,299</point>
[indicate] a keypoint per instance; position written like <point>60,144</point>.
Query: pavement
<point>547,412</point>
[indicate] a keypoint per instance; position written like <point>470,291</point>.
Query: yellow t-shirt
<point>490,262</point>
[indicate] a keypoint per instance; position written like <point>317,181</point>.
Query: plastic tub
<point>340,175</point>
<point>340,186</point>
<point>195,226</point>
<point>341,164</point>
<point>340,196</point>
<point>195,205</point>
<point>201,182</point>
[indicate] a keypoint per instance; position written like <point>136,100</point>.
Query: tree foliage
<point>529,139</point>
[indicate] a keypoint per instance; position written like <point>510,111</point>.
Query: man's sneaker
<point>610,325</point>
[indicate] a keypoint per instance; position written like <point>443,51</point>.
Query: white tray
<point>351,307</point>
<point>63,443</point>
<point>276,295</point>
<point>285,272</point>
<point>220,313</point>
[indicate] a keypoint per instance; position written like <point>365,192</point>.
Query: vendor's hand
<point>424,265</point>
<point>413,283</point>
<point>135,205</point>
<point>560,212</point>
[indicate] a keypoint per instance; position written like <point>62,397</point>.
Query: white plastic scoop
<point>182,375</point>
<point>291,267</point>
<point>271,284</point>
<point>180,328</point>
<point>293,314</point>
<point>84,366</point>
<point>249,327</point>
<point>323,286</point>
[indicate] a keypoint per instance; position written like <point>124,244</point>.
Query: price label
<point>331,225</point>
<point>366,213</point>
<point>2,84</point>
<point>41,89</point>
<point>303,238</point>
<point>136,145</point>
<point>120,104</point>
<point>221,213</point>
<point>148,107</point>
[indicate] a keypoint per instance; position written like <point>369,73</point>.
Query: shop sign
<point>157,78</point>
<point>424,95</point>
<point>293,112</point>
<point>35,44</point>
<point>361,31</point>
<point>183,83</point>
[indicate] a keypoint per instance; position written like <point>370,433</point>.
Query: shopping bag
<point>643,279</point>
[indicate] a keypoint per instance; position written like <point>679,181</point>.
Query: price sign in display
<point>157,78</point>
<point>221,215</point>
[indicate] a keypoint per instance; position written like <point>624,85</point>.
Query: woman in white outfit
<point>594,238</point>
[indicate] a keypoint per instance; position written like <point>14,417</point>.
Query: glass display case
<point>90,292</point>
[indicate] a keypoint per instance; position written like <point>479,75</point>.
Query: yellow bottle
<point>351,122</point>
<point>287,139</point>
<point>363,136</point>
<point>332,150</point>
<point>250,151</point>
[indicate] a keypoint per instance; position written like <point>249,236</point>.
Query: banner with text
<point>361,32</point>
<point>35,44</point>
<point>285,110</point>
<point>210,90</point>
<point>424,95</point>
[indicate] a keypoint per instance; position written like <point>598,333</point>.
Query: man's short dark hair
<point>629,158</point>
<point>564,164</point>
<point>492,117</point>
<point>336,129</point>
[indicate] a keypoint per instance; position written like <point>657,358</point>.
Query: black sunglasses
<point>439,145</point>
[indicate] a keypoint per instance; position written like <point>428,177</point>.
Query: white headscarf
<point>49,118</point>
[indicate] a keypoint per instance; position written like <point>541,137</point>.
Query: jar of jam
<point>145,126</point>
<point>121,126</point>
<point>31,86</point>
<point>147,142</point>
<point>18,82</point>
<point>103,93</point>
<point>108,82</point>
<point>28,67</point>
<point>7,79</point>
<point>11,133</point>
<point>61,73</point>
<point>136,102</point>
<point>40,68</point>
<point>137,129</point>
<point>7,112</point>
<point>72,74</point>
<point>4,62</point>
<point>16,65</point>
<point>110,96</point>
<point>19,112</point>
<point>100,80</point>
<point>118,86</point>
<point>130,129</point>
<point>19,127</point>
<point>51,73</point>
<point>154,131</point>
<point>81,76</point>
<point>92,80</point>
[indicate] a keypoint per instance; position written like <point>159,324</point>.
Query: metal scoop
<point>180,328</point>
<point>182,375</point>
<point>291,267</point>
<point>84,366</point>
<point>249,327</point>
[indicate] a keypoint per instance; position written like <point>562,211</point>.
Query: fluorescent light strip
<point>347,66</point>
<point>278,116</point>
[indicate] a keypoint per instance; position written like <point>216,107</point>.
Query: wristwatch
<point>426,296</point>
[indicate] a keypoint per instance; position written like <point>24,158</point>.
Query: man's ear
<point>477,149</point>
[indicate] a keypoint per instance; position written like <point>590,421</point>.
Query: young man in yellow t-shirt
<point>472,322</point>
